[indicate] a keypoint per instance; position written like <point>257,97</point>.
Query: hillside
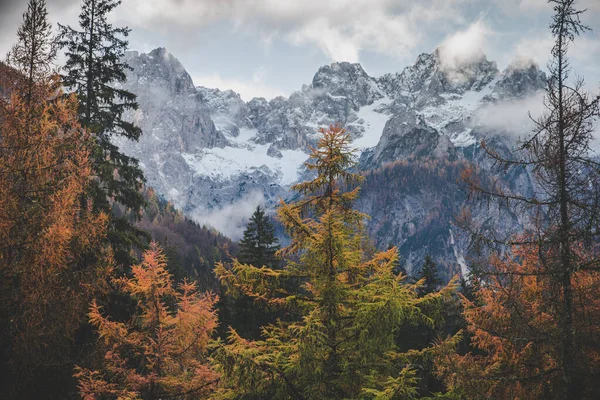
<point>216,157</point>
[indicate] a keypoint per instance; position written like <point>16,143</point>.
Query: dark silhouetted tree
<point>259,244</point>
<point>429,274</point>
<point>94,68</point>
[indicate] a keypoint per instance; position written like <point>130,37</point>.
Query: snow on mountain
<point>372,119</point>
<point>206,149</point>
<point>229,162</point>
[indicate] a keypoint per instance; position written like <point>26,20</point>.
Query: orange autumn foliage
<point>514,324</point>
<point>51,258</point>
<point>162,351</point>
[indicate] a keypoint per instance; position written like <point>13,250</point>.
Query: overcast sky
<point>272,47</point>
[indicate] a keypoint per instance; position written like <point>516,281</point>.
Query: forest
<point>107,291</point>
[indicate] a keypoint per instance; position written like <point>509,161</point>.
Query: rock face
<point>211,153</point>
<point>404,136</point>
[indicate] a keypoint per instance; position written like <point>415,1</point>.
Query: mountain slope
<point>216,157</point>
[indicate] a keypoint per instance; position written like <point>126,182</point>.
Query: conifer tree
<point>51,257</point>
<point>257,247</point>
<point>536,344</point>
<point>94,68</point>
<point>161,352</point>
<point>34,53</point>
<point>259,244</point>
<point>429,275</point>
<point>350,305</point>
<point>514,326</point>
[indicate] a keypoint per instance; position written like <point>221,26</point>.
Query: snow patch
<point>463,139</point>
<point>460,258</point>
<point>226,163</point>
<point>457,108</point>
<point>373,121</point>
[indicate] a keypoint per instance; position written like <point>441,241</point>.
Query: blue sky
<point>272,47</point>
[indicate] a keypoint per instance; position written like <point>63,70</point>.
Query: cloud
<point>11,17</point>
<point>584,50</point>
<point>247,89</point>
<point>516,118</point>
<point>465,47</point>
<point>330,40</point>
<point>341,29</point>
<point>231,219</point>
<point>511,117</point>
<point>535,48</point>
<point>517,7</point>
<point>536,44</point>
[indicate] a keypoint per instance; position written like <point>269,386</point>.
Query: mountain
<point>216,157</point>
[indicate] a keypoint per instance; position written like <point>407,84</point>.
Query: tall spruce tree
<point>93,68</point>
<point>259,244</point>
<point>258,247</point>
<point>538,337</point>
<point>429,274</point>
<point>350,305</point>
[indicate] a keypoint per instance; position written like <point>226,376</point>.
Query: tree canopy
<point>349,301</point>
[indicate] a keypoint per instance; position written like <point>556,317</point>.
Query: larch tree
<point>94,69</point>
<point>46,232</point>
<point>513,322</point>
<point>161,352</point>
<point>35,50</point>
<point>537,341</point>
<point>350,304</point>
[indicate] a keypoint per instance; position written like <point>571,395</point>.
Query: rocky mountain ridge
<point>216,156</point>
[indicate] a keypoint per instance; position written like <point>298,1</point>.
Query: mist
<point>231,219</point>
<point>515,118</point>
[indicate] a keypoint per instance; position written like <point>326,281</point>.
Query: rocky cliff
<point>216,156</point>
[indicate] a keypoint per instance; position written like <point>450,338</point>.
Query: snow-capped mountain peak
<point>206,148</point>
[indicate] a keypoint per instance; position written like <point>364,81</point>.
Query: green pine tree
<point>350,304</point>
<point>259,244</point>
<point>93,68</point>
<point>258,248</point>
<point>429,275</point>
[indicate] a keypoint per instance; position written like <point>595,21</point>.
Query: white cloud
<point>184,12</point>
<point>516,118</point>
<point>259,75</point>
<point>231,219</point>
<point>518,7</point>
<point>536,45</point>
<point>341,29</point>
<point>535,48</point>
<point>330,40</point>
<point>247,89</point>
<point>466,46</point>
<point>512,117</point>
<point>585,49</point>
